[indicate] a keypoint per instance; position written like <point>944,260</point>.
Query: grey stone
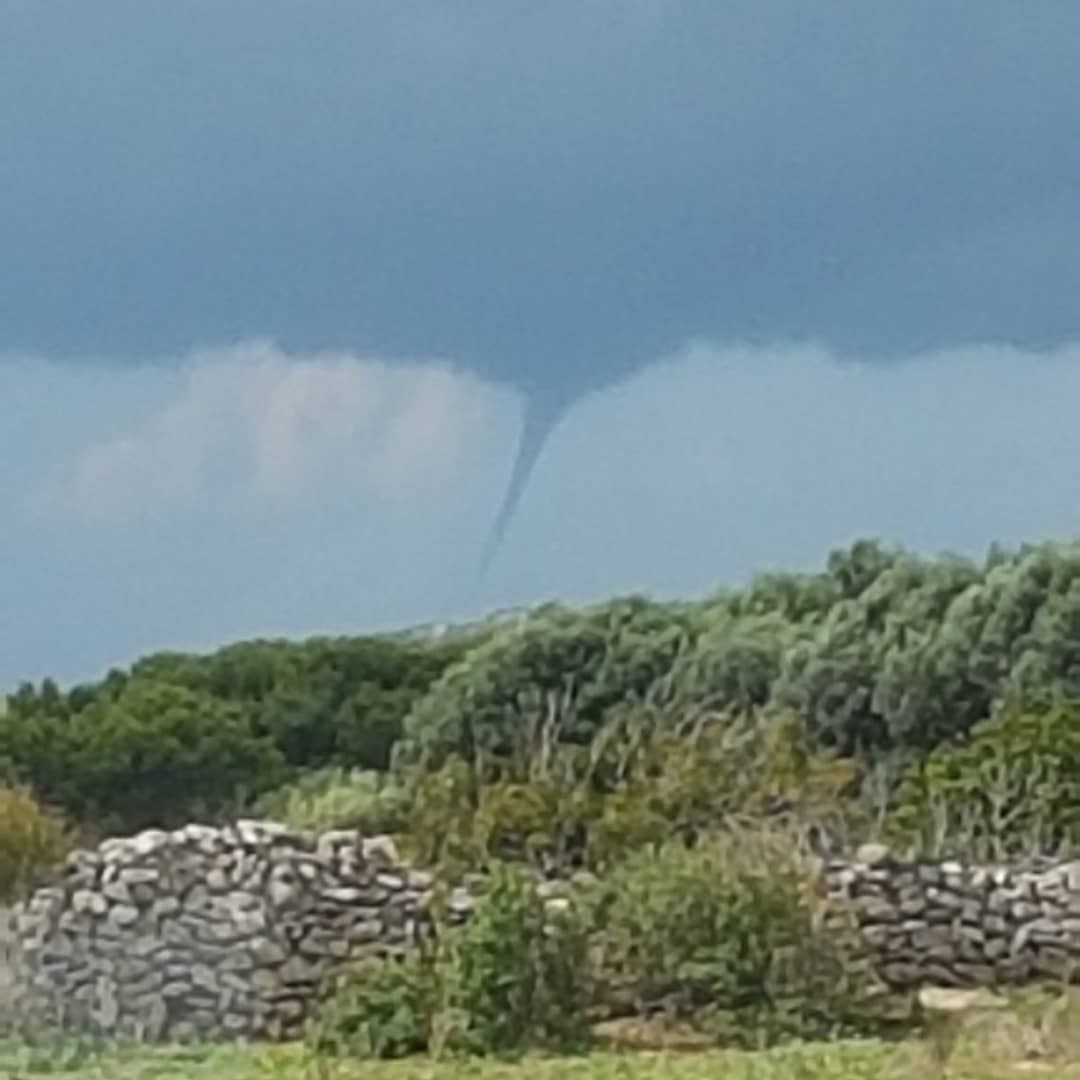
<point>217,880</point>
<point>86,901</point>
<point>121,915</point>
<point>149,842</point>
<point>117,892</point>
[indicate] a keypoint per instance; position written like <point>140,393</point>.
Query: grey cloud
<point>551,195</point>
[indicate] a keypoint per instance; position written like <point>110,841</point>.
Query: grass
<point>1035,1032</point>
<point>833,1061</point>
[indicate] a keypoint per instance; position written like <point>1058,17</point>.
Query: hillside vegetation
<point>899,686</point>
<point>666,753</point>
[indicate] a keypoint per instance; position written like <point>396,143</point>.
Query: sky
<point>286,290</point>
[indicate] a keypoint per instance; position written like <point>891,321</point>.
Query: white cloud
<point>253,425</point>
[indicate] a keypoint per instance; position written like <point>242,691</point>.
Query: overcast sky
<point>280,282</point>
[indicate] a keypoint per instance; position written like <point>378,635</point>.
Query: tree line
<point>887,681</point>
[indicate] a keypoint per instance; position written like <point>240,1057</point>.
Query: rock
<point>651,1034</point>
<point>461,902</point>
<point>265,981</point>
<point>164,906</point>
<point>139,875</point>
<point>282,893</point>
<point>85,901</point>
<point>941,999</point>
<point>121,915</point>
<point>203,977</point>
<point>117,892</point>
<point>298,969</point>
<point>873,855</point>
<point>217,880</point>
<point>149,842</point>
<point>106,1010</point>
<point>364,931</point>
<point>343,894</point>
<point>258,833</point>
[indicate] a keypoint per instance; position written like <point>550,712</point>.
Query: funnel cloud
<point>547,196</point>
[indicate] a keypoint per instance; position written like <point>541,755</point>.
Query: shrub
<point>1012,788</point>
<point>515,976</point>
<point>512,979</point>
<point>337,799</point>
<point>382,1008</point>
<point>723,933</point>
<point>32,840</point>
<point>646,777</point>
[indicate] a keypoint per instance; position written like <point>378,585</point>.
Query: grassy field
<point>850,1061</point>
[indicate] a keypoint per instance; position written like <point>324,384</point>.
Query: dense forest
<point>929,698</point>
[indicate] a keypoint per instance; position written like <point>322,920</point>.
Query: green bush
<point>382,1008</point>
<point>1011,789</point>
<point>723,934</point>
<point>645,778</point>
<point>336,798</point>
<point>325,701</point>
<point>32,841</point>
<point>550,680</point>
<point>515,977</point>
<point>147,754</point>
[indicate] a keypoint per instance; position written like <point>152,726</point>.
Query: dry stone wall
<point>912,923</point>
<point>208,932</point>
<point>233,932</point>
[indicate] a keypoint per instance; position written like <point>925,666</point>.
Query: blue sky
<point>280,283</point>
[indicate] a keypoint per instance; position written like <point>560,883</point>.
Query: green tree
<point>561,668</point>
<point>155,755</point>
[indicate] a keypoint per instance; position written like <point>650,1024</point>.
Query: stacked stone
<point>915,924</point>
<point>210,933</point>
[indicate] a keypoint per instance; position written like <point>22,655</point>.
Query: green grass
<point>835,1061</point>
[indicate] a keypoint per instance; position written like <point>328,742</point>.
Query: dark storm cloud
<point>546,193</point>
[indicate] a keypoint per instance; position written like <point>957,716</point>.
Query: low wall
<point>209,932</point>
<point>232,932</point>
<point>915,923</point>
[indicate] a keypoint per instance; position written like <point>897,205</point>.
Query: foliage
<point>723,932</point>
<point>564,664</point>
<point>32,841</point>
<point>644,779</point>
<point>152,755</point>
<point>920,651</point>
<point>382,1008</point>
<point>327,701</point>
<point>540,737</point>
<point>335,798</point>
<point>182,736</point>
<point>1012,789</point>
<point>884,654</point>
<point>515,975</point>
<point>511,979</point>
